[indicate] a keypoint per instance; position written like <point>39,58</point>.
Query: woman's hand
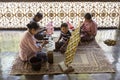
<point>45,42</point>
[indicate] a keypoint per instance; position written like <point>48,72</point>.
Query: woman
<point>37,17</point>
<point>88,29</point>
<point>28,47</point>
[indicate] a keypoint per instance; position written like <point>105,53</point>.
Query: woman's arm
<point>32,44</point>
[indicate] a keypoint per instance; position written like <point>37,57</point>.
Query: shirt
<point>28,46</point>
<point>65,36</point>
<point>89,27</point>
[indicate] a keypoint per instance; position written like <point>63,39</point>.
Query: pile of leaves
<point>110,42</point>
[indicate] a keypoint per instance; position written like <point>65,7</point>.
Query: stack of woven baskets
<point>110,42</point>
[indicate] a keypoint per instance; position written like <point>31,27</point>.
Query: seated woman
<point>38,17</point>
<point>88,29</point>
<point>28,47</point>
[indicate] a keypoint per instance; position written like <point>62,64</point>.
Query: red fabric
<point>70,26</point>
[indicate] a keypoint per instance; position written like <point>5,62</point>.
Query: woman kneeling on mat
<point>28,47</point>
<point>88,29</point>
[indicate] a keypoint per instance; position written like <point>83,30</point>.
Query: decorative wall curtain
<point>18,14</point>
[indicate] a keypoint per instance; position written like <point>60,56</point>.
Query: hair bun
<point>33,25</point>
<point>28,25</point>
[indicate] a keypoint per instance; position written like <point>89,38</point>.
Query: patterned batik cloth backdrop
<point>72,46</point>
<point>18,14</point>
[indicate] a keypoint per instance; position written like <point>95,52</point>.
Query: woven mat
<point>87,60</point>
<point>92,44</point>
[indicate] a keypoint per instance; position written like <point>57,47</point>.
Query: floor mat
<point>88,59</point>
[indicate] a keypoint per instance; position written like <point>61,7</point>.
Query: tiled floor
<point>9,41</point>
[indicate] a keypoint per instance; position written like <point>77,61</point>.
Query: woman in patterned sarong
<point>28,45</point>
<point>88,29</point>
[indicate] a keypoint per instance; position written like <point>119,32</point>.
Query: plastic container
<point>35,63</point>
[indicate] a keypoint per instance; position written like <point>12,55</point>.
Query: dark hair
<point>39,15</point>
<point>64,25</point>
<point>88,16</point>
<point>33,25</point>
